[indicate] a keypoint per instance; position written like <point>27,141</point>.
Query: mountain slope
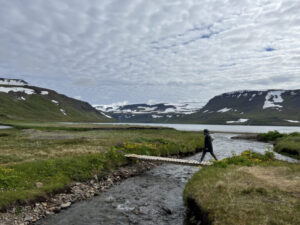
<point>20,101</point>
<point>271,107</point>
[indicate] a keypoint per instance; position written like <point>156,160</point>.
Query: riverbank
<point>246,189</point>
<point>62,199</point>
<point>285,144</point>
<point>35,163</point>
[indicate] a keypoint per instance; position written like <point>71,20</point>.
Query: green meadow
<point>58,154</point>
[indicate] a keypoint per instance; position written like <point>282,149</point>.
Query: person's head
<point>206,132</point>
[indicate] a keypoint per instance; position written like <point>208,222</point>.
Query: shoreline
<point>54,203</point>
<point>241,180</point>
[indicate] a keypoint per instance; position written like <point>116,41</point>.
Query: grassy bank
<point>35,162</point>
<point>286,144</point>
<point>247,189</point>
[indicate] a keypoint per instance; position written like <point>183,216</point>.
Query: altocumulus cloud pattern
<point>105,51</point>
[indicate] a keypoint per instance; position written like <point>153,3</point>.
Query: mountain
<point>20,101</point>
<point>148,113</point>
<point>270,107</point>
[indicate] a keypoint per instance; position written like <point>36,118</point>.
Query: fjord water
<point>4,127</point>
<point>219,128</point>
<point>152,198</point>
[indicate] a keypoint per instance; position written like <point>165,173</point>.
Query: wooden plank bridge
<point>167,160</point>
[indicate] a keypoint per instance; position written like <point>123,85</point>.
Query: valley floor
<point>38,159</point>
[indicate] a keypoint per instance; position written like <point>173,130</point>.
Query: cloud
<point>84,82</point>
<point>115,50</point>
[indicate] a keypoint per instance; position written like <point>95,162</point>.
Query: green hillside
<point>29,103</point>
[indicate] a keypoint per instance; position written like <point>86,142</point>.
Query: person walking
<point>208,147</point>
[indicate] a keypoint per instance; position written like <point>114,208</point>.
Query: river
<point>153,198</point>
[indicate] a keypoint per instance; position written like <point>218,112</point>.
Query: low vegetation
<point>56,156</point>
<point>286,144</point>
<point>246,189</point>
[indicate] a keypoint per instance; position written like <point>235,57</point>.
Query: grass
<point>246,189</point>
<point>289,146</point>
<point>286,144</point>
<point>57,157</point>
<point>270,136</point>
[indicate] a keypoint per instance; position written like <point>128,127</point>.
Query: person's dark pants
<point>204,153</point>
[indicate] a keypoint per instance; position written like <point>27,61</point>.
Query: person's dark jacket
<point>208,143</point>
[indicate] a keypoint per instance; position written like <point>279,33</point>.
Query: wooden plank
<point>167,160</point>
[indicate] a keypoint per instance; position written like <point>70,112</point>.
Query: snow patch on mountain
<point>27,91</point>
<point>13,82</point>
<point>106,115</point>
<point>273,98</point>
<point>44,92</point>
<point>63,112</point>
<point>292,121</point>
<point>22,98</point>
<point>24,90</point>
<point>111,107</point>
<point>224,110</point>
<point>156,116</point>
<point>147,109</point>
<point>238,121</point>
<point>252,97</point>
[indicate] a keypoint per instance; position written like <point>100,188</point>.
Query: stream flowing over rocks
<point>30,213</point>
<point>154,197</point>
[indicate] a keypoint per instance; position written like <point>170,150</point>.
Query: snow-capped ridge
<point>27,91</point>
<point>12,82</point>
<point>159,108</point>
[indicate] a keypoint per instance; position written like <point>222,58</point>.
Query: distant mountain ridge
<point>20,101</point>
<point>161,112</point>
<point>247,107</point>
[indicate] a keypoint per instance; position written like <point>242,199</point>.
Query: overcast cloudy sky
<point>105,51</point>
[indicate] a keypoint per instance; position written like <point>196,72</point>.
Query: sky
<point>107,51</point>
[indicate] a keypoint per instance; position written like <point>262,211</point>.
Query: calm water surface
<point>5,127</point>
<point>220,128</point>
<point>145,199</point>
